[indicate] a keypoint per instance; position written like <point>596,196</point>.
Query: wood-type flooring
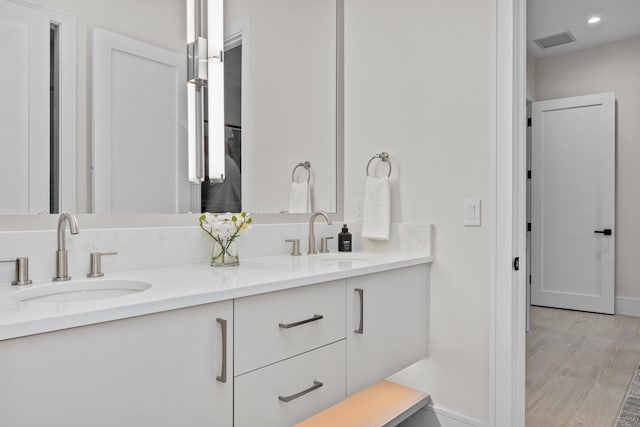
<point>579,366</point>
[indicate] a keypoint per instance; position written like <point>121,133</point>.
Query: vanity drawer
<point>278,325</point>
<point>259,395</point>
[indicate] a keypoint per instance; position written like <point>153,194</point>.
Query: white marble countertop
<point>190,285</point>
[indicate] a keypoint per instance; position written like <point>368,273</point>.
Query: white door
<point>573,203</point>
<point>24,110</point>
<point>139,125</point>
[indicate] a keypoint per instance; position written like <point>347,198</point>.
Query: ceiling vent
<point>555,40</point>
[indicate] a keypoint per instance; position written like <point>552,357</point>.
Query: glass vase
<point>224,254</point>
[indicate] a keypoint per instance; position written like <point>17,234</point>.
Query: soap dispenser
<point>344,240</point>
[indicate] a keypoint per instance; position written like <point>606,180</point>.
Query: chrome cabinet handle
<point>316,385</point>
<point>302,322</point>
<point>223,371</point>
<point>360,329</point>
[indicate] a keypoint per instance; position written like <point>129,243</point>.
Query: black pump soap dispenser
<point>344,240</point>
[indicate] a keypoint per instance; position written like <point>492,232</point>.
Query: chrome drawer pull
<point>302,322</point>
<point>316,384</point>
<point>223,371</point>
<point>360,329</point>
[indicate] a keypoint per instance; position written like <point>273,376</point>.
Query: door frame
<point>67,102</point>
<point>508,351</point>
<point>235,34</point>
<point>530,99</point>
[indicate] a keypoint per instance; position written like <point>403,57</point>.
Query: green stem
<point>225,247</point>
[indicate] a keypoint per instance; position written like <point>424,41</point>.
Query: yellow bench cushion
<point>375,406</point>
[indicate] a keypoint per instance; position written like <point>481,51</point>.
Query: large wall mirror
<point>93,117</point>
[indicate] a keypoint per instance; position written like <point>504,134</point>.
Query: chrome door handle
<point>302,322</point>
<point>606,232</point>
<point>316,385</point>
<point>360,329</point>
<point>223,370</point>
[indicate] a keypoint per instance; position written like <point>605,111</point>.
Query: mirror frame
<point>106,221</point>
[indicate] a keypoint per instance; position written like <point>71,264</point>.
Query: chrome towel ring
<point>383,157</point>
<point>307,166</point>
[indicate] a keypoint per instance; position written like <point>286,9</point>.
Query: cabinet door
<point>154,370</point>
<point>392,332</point>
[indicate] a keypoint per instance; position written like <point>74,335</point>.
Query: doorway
<point>564,349</point>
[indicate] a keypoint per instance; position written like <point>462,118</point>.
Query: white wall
<point>611,67</point>
<point>292,99</point>
<point>419,84</point>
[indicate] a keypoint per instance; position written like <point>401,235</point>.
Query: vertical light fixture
<point>215,106</point>
<point>205,75</point>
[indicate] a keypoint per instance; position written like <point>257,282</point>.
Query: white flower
<point>225,227</point>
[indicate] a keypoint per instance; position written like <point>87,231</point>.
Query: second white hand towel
<point>376,214</point>
<point>300,198</point>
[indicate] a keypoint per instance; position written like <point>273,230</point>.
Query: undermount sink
<point>344,256</point>
<point>85,290</point>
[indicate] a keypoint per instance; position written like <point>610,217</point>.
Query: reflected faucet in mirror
<point>66,217</point>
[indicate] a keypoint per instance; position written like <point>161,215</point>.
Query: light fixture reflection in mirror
<point>205,77</point>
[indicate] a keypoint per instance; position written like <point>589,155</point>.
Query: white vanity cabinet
<point>286,355</point>
<point>387,324</point>
<point>289,354</point>
<point>154,370</point>
<point>343,351</point>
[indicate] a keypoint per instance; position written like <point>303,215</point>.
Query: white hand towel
<point>300,198</point>
<point>376,215</point>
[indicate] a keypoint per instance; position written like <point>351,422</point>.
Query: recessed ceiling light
<point>594,20</point>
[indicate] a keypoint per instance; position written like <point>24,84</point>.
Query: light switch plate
<point>471,213</point>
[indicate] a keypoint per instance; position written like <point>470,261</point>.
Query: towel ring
<point>382,156</point>
<point>306,165</point>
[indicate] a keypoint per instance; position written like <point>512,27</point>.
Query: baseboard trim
<point>627,306</point>
<point>430,416</point>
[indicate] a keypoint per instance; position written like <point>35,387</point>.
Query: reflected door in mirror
<point>24,110</point>
<point>139,162</point>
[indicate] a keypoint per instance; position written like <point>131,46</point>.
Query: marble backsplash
<point>140,248</point>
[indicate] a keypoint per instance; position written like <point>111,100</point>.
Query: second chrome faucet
<point>312,234</point>
<point>62,274</point>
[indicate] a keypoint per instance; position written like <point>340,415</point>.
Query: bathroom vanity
<point>268,343</point>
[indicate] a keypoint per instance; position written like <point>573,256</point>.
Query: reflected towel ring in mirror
<point>382,156</point>
<point>306,165</point>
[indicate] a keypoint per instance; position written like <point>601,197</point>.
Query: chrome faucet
<point>62,252</point>
<point>312,234</point>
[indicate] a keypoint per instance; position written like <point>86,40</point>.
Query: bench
<point>382,404</point>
